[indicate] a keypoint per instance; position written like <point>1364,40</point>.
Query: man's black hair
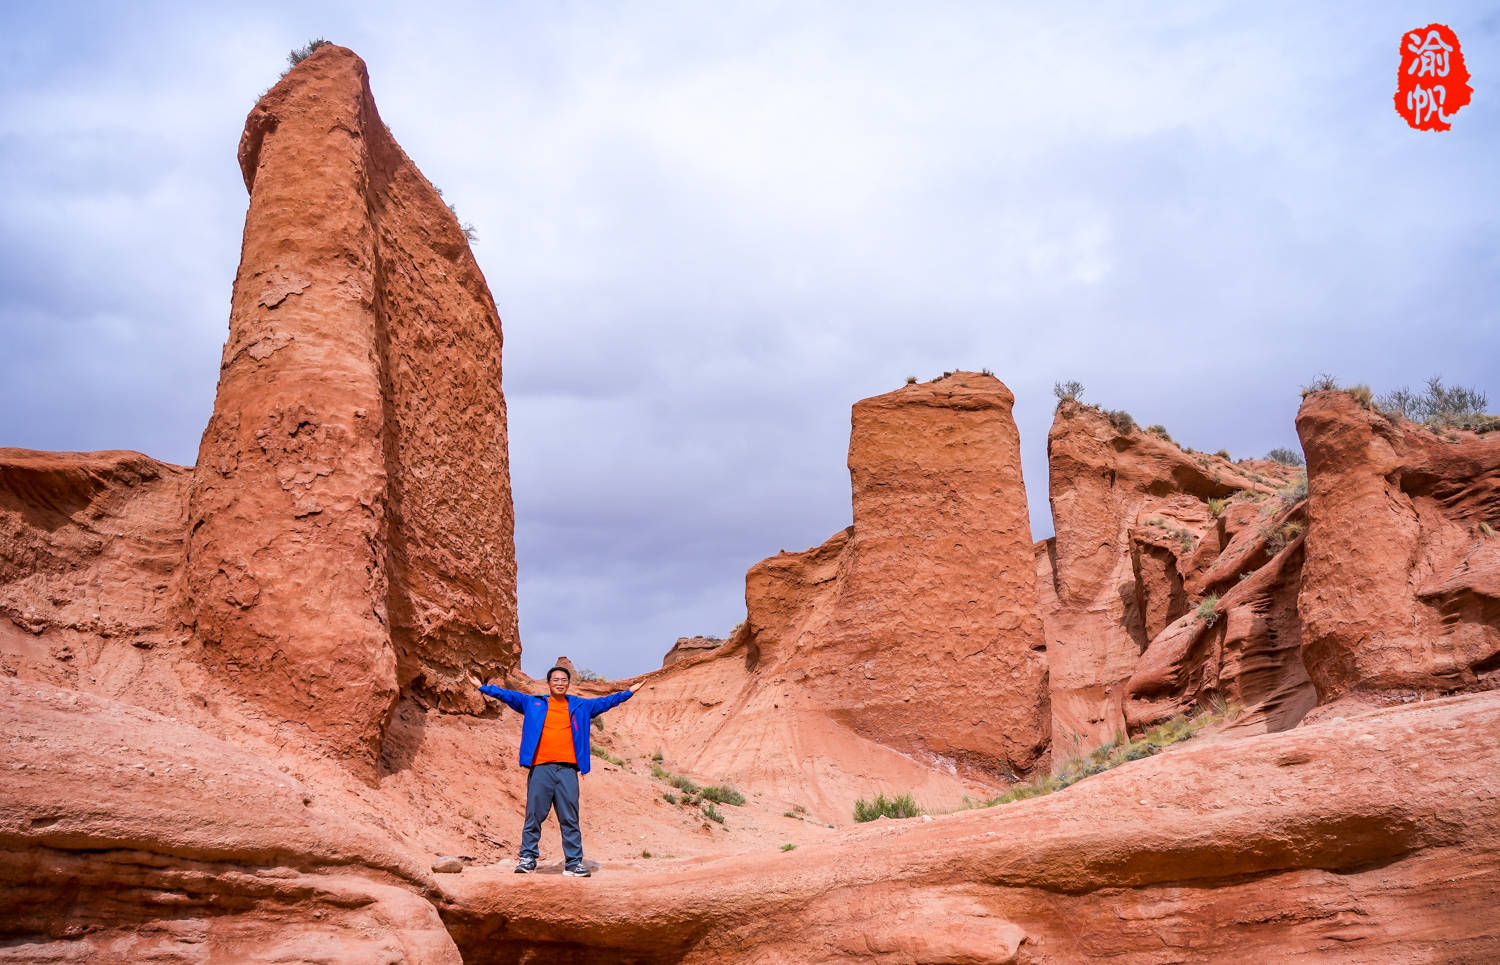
<point>563,669</point>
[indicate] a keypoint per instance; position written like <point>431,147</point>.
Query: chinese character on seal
<point>1432,82</point>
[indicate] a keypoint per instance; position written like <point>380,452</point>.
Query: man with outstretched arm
<point>555,749</point>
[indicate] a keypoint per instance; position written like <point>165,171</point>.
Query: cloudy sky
<point>711,228</point>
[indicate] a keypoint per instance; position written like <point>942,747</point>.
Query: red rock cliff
<point>1401,588</point>
<point>1138,548</point>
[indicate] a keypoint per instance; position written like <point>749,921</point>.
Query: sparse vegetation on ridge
<point>1123,421</point>
<point>901,806</point>
<point>299,54</point>
<point>1285,456</point>
<point>1111,755</point>
<point>1438,404</point>
<point>1323,383</point>
<point>1208,609</point>
<point>1070,391</point>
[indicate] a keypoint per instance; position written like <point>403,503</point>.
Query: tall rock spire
<point>350,520</point>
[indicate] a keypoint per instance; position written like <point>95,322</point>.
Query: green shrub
<point>724,794</point>
<point>1224,454</point>
<point>683,784</point>
<point>711,812</point>
<point>1207,611</point>
<point>789,847</point>
<point>656,755</point>
<point>902,806</point>
<point>598,751</point>
<point>1070,391</point>
<point>1216,507</point>
<point>669,797</point>
<point>645,853</point>
<point>1285,456</point>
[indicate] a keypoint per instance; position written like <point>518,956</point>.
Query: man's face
<point>558,682</point>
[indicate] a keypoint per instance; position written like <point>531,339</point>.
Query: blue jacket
<point>581,712</point>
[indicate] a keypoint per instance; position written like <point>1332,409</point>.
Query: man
<point>555,747</point>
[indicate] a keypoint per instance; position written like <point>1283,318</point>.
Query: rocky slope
<point>237,700</point>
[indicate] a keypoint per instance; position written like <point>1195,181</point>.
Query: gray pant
<point>552,786</point>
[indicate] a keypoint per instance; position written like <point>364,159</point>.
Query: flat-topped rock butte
<point>238,699</point>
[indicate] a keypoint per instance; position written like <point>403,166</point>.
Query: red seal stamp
<point>1432,82</point>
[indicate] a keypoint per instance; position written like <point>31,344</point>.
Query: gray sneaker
<point>526,866</point>
<point>576,871</point>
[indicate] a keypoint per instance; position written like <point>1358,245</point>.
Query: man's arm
<point>512,699</point>
<point>598,705</point>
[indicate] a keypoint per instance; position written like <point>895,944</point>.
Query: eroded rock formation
<point>350,522</point>
<point>908,645</point>
<point>688,646</point>
<point>90,544</point>
<point>1401,587</point>
<point>1138,548</point>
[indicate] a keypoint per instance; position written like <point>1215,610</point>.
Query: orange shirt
<point>556,745</point>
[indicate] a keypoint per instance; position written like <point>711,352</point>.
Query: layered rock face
<point>350,520</point>
<point>1401,587</point>
<point>89,546</point>
<point>1138,548</point>
<point>688,646</point>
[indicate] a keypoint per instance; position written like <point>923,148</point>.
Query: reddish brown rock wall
<point>89,546</point>
<point>1137,548</point>
<point>1401,587</point>
<point>350,523</point>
